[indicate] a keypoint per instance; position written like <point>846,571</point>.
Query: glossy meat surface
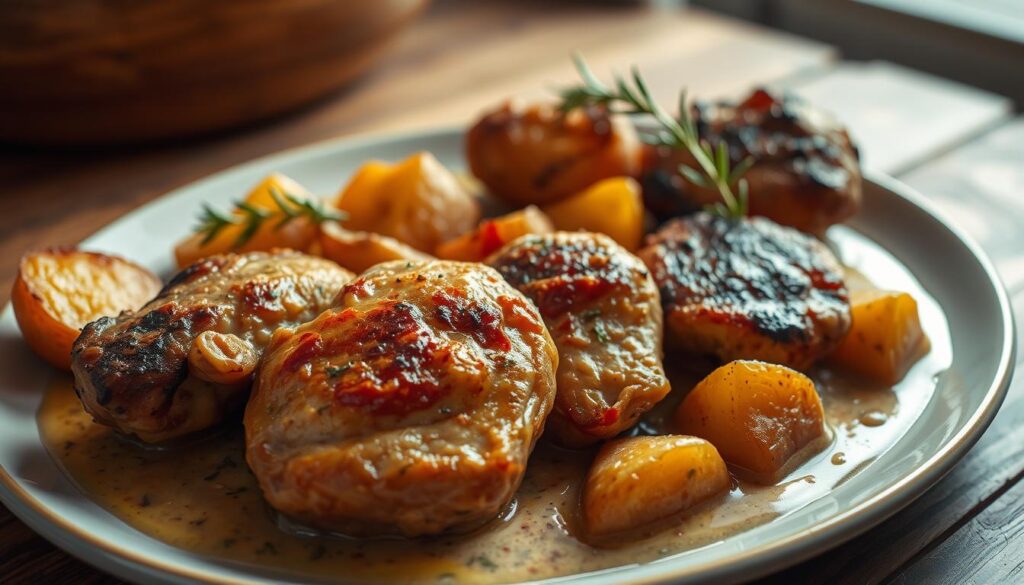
<point>409,408</point>
<point>805,173</point>
<point>602,309</point>
<point>537,155</point>
<point>133,372</point>
<point>748,289</point>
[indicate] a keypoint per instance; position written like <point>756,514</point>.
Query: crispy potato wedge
<point>59,291</point>
<point>885,339</point>
<point>417,201</point>
<point>296,234</point>
<point>492,234</point>
<point>637,480</point>
<point>757,414</point>
<point>613,207</point>
<point>358,251</point>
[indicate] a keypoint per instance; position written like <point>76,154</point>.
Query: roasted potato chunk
<point>492,234</point>
<point>885,339</point>
<point>58,291</point>
<point>758,415</point>
<point>612,207</point>
<point>358,251</point>
<point>417,201</point>
<point>538,155</point>
<point>297,233</point>
<point>638,480</point>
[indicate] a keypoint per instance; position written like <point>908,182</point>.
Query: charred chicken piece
<point>748,289</point>
<point>538,155</point>
<point>185,360</point>
<point>805,172</point>
<point>602,309</point>
<point>410,408</point>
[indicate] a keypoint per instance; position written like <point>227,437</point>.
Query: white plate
<point>944,261</point>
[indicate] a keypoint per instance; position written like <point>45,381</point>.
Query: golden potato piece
<point>492,234</point>
<point>885,339</point>
<point>358,251</point>
<point>613,207</point>
<point>59,291</point>
<point>417,201</point>
<point>638,480</point>
<point>757,414</point>
<point>296,234</point>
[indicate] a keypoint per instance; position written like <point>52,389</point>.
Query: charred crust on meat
<point>265,296</point>
<point>749,273</point>
<point>399,362</point>
<point>454,309</point>
<point>561,274</point>
<point>805,171</point>
<point>150,353</point>
<point>773,127</point>
<point>132,372</point>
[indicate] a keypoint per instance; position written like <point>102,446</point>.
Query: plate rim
<point>122,561</point>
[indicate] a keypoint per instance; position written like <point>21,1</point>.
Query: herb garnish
<point>484,561</point>
<point>601,333</point>
<point>679,134</point>
<point>335,371</point>
<point>289,207</point>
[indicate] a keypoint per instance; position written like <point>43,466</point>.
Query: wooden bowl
<point>117,71</point>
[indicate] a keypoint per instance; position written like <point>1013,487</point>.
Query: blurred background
<point>978,42</point>
<point>120,72</point>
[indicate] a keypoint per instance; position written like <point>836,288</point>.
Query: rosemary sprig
<point>251,219</point>
<point>635,98</point>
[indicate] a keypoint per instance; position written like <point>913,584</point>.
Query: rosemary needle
<point>251,218</point>
<point>631,96</point>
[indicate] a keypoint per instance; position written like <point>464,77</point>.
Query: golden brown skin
<point>602,308</point>
<point>748,289</point>
<point>806,172</point>
<point>538,155</point>
<point>144,374</point>
<point>410,408</point>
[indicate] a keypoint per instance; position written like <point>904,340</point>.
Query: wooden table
<point>464,56</point>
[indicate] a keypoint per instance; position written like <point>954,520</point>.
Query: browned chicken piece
<point>805,173</point>
<point>410,408</point>
<point>538,155</point>
<point>602,308</point>
<point>185,360</point>
<point>748,289</point>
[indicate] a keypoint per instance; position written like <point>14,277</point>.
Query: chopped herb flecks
<point>335,371</point>
<point>483,562</point>
<point>601,333</point>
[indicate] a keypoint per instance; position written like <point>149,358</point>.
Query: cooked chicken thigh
<point>602,308</point>
<point>748,289</point>
<point>410,408</point>
<point>805,172</point>
<point>537,155</point>
<point>184,360</point>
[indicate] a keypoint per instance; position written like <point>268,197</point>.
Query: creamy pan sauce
<point>201,496</point>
